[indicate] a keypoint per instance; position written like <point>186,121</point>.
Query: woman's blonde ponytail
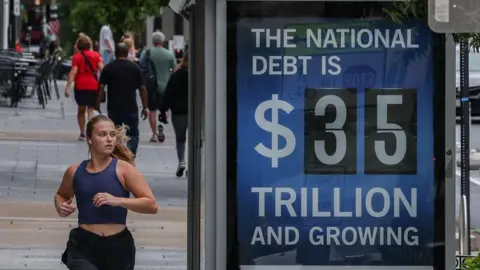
<point>121,151</point>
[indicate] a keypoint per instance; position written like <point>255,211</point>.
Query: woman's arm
<point>100,63</point>
<point>100,66</point>
<point>71,77</point>
<point>144,201</point>
<point>63,197</point>
<point>172,85</point>
<point>73,73</point>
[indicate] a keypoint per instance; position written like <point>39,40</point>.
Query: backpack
<point>149,73</point>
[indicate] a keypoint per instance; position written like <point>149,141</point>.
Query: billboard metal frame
<point>214,131</point>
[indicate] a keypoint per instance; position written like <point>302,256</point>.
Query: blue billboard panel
<point>335,162</point>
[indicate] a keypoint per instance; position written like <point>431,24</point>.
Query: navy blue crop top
<point>87,185</point>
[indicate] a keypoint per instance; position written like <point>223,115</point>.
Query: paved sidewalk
<point>32,170</point>
<point>57,122</point>
<point>36,147</point>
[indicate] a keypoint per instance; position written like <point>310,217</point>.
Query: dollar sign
<point>275,129</point>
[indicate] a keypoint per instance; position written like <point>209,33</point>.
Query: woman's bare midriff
<point>103,229</point>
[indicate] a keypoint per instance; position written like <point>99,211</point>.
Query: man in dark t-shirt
<point>122,78</point>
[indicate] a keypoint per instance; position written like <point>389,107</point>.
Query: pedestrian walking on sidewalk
<point>132,54</point>
<point>129,35</point>
<point>106,44</point>
<point>157,64</point>
<point>75,48</point>
<point>102,187</point>
<point>176,100</point>
<point>86,64</point>
<point>123,77</point>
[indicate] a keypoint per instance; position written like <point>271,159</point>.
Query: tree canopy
<point>127,15</point>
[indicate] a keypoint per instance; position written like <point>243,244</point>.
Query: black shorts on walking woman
<point>89,251</point>
<point>87,98</point>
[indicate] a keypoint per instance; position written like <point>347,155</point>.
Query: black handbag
<point>90,66</point>
<point>149,73</point>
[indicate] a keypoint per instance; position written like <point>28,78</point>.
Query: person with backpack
<point>157,64</point>
<point>86,64</point>
<point>123,78</point>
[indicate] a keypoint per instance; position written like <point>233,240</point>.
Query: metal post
<point>195,90</point>
<point>149,25</point>
<point>44,20</point>
<point>464,231</point>
<point>12,28</point>
<point>6,22</point>
<point>469,122</point>
<point>29,37</point>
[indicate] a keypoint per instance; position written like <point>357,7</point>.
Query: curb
<point>474,238</point>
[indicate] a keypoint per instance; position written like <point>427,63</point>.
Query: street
<point>474,176</point>
<point>36,147</point>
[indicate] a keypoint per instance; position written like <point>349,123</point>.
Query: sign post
<point>16,7</point>
<point>464,229</point>
<point>459,16</point>
<point>338,154</point>
<point>453,16</point>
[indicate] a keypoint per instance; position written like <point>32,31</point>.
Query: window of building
<point>31,19</point>
<point>157,23</point>
<point>178,25</point>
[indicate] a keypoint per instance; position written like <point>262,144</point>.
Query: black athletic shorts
<point>89,251</point>
<point>86,97</point>
<point>154,100</point>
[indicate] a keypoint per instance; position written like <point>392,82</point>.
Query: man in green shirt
<point>164,62</point>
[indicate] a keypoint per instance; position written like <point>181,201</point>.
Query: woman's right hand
<point>67,93</point>
<point>66,209</point>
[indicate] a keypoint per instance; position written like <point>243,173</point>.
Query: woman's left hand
<point>103,198</point>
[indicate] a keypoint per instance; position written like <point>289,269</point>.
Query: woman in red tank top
<point>86,64</point>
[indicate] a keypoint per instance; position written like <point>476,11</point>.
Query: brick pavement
<point>36,146</point>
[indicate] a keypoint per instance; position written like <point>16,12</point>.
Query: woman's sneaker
<point>154,139</point>
<point>81,137</point>
<point>161,135</point>
<point>181,169</point>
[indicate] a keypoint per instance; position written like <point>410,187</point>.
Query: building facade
<point>23,20</point>
<point>169,23</point>
<point>28,26</point>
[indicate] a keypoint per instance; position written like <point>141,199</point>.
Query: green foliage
<point>122,15</point>
<point>472,263</point>
<point>418,9</point>
<point>67,36</point>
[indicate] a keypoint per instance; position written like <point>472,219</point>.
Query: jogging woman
<point>86,64</point>
<point>101,186</point>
